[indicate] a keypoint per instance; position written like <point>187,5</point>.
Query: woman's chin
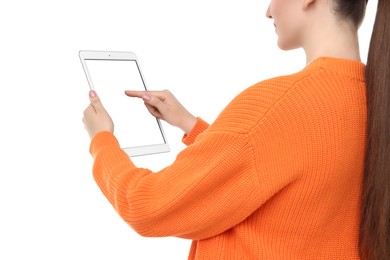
<point>285,46</point>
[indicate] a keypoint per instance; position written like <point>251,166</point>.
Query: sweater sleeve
<point>211,179</point>
<point>226,173</point>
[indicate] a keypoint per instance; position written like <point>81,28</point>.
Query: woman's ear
<point>307,4</point>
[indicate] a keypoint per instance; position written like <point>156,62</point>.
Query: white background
<point>204,51</point>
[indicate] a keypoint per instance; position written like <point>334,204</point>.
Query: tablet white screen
<point>134,125</point>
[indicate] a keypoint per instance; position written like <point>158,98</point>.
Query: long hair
<point>374,238</point>
<point>374,241</point>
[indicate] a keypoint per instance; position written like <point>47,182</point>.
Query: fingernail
<point>92,93</point>
<point>146,97</point>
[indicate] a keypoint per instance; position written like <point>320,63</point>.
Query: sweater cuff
<point>199,127</point>
<point>100,140</point>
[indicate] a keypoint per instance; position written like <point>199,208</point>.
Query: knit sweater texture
<point>278,175</point>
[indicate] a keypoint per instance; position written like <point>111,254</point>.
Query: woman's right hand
<point>164,105</point>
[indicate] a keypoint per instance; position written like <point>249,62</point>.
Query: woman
<point>295,167</point>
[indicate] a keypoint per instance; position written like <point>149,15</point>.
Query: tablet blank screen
<point>134,125</point>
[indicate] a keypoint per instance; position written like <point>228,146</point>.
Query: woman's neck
<point>335,39</point>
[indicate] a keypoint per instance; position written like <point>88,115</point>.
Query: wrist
<point>189,124</point>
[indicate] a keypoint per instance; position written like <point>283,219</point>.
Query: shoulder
<point>244,112</point>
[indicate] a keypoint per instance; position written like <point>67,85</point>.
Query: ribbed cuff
<point>199,127</point>
<point>100,140</point>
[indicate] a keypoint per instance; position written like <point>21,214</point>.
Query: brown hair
<point>374,240</point>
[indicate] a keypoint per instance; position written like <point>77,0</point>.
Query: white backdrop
<point>204,51</point>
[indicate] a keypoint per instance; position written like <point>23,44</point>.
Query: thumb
<point>95,101</point>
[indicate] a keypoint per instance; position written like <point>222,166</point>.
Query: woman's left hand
<point>96,119</point>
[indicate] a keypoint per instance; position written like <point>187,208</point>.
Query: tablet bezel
<point>126,56</point>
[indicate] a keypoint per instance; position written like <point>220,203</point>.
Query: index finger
<point>135,93</point>
<point>140,94</point>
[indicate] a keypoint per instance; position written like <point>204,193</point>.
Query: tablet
<point>110,74</point>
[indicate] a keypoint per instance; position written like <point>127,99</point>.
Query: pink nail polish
<point>92,93</point>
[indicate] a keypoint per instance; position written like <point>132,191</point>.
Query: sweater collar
<point>350,68</point>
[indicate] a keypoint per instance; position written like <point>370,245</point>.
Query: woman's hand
<point>96,118</point>
<point>163,105</point>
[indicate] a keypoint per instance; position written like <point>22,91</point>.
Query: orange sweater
<point>276,176</point>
